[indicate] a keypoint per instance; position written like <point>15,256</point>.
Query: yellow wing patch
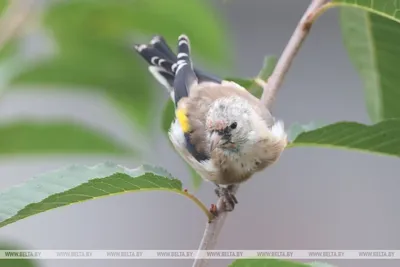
<point>183,119</point>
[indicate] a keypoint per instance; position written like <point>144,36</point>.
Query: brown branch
<point>285,61</point>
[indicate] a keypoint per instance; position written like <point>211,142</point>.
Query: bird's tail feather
<point>160,63</point>
<point>163,62</point>
<point>161,45</point>
<point>185,77</point>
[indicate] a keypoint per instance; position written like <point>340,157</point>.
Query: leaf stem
<point>209,215</point>
<point>214,227</point>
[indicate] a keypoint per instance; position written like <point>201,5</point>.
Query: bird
<point>220,129</point>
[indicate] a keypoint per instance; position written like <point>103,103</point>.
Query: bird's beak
<point>215,139</point>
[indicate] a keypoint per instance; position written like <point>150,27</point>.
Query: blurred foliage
<point>3,4</point>
<point>35,138</point>
<point>168,115</point>
<point>95,46</point>
<point>95,20</point>
<point>94,41</point>
<point>10,47</point>
<point>266,71</point>
<point>250,84</point>
<point>244,82</point>
<point>7,245</point>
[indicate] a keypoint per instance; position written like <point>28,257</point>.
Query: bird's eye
<point>233,125</point>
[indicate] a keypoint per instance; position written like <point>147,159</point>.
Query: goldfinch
<point>224,132</point>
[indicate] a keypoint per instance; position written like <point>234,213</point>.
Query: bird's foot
<point>228,198</point>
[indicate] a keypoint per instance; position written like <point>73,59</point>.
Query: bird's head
<point>229,123</point>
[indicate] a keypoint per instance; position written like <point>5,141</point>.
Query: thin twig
<point>290,51</point>
<point>214,227</point>
<point>13,18</point>
<point>211,232</point>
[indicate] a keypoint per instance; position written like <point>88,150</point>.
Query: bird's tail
<point>163,62</point>
<point>160,59</point>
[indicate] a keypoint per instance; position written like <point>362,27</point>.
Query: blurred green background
<point>88,46</point>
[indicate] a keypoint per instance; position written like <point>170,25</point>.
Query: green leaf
<point>371,35</point>
<point>296,129</point>
<point>265,72</point>
<point>266,263</point>
<point>4,246</point>
<point>77,184</point>
<point>9,65</point>
<point>167,118</point>
<point>268,67</point>
<point>385,8</point>
<point>244,82</point>
<point>30,137</point>
<point>381,138</point>
<point>95,46</point>
<point>372,43</point>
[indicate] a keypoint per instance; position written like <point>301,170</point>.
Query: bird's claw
<point>228,198</point>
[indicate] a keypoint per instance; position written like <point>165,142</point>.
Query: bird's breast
<point>236,167</point>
